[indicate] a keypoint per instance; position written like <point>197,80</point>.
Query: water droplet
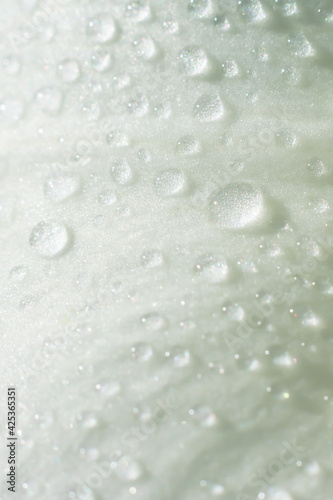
<point>138,11</point>
<point>212,268</point>
<point>49,100</point>
<point>181,357</point>
<point>171,26</point>
<point>12,109</point>
<point>91,109</point>
<point>317,168</point>
<point>145,47</point>
<point>288,7</point>
<point>101,28</point>
<point>237,205</point>
<point>138,106</point>
<point>128,469</point>
<point>286,138</point>
<point>60,186</point>
<point>154,322</point>
<point>151,258</point>
<point>300,46</point>
<point>203,416</point>
<point>69,70</point>
<point>188,145</point>
<point>193,61</point>
<point>278,494</point>
<point>121,172</point>
<point>170,183</point>
<point>50,239</point>
<point>11,64</point>
<point>221,23</point>
<point>141,352</point>
<point>108,389</point>
<point>234,311</point>
<point>201,9</point>
<point>88,420</point>
<point>209,108</point>
<point>107,198</point>
<point>101,60</point>
<point>252,10</point>
<point>230,68</point>
<point>18,273</point>
<point>28,5</point>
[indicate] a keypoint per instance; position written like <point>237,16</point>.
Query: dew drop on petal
<point>193,61</point>
<point>49,100</point>
<point>50,239</point>
<point>211,268</point>
<point>69,70</point>
<point>237,205</point>
<point>128,469</point>
<point>101,28</point>
<point>170,183</point>
<point>60,186</point>
<point>209,108</point>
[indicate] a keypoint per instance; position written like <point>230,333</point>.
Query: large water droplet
<point>237,205</point>
<point>49,239</point>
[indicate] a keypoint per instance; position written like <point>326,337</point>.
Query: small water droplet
<point>193,61</point>
<point>154,322</point>
<point>141,352</point>
<point>300,46</point>
<point>121,172</point>
<point>188,145</point>
<point>151,258</point>
<point>49,100</point>
<point>209,107</point>
<point>101,60</point>
<point>18,273</point>
<point>170,183</point>
<point>69,70</point>
<point>107,198</point>
<point>212,268</point>
<point>138,11</point>
<point>101,28</point>
<point>203,416</point>
<point>128,469</point>
<point>60,186</point>
<point>181,357</point>
<point>252,10</point>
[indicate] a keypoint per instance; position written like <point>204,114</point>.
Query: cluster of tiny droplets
<point>165,214</point>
